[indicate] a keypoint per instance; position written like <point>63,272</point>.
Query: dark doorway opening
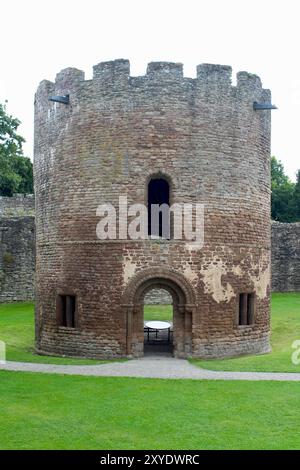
<point>158,312</point>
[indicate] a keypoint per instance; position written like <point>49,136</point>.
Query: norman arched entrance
<point>183,308</point>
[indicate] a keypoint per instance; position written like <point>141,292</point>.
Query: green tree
<point>296,199</point>
<point>278,175</point>
<point>15,169</point>
<point>283,194</point>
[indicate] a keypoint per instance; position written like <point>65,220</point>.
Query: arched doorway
<point>158,313</point>
<point>183,299</point>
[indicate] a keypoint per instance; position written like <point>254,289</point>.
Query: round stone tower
<point>204,142</point>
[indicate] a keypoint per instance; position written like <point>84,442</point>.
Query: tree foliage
<point>285,201</point>
<point>15,169</point>
<point>296,197</point>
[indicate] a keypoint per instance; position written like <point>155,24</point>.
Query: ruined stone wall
<point>18,205</point>
<point>117,132</point>
<point>285,257</point>
<point>17,258</point>
<point>158,296</point>
<point>17,247</point>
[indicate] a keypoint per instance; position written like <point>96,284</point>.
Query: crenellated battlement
<point>213,73</point>
<point>248,82</point>
<point>112,70</point>
<point>115,75</point>
<point>69,77</point>
<point>165,70</point>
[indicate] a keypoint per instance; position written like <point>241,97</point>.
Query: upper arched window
<point>158,208</point>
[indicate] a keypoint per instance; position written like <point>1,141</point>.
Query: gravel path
<point>159,367</point>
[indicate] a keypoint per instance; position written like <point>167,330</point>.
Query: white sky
<point>39,38</point>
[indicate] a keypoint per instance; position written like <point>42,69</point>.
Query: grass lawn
<point>41,411</point>
<point>285,322</point>
<point>158,312</point>
<point>17,330</point>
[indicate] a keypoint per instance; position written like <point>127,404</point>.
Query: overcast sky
<point>40,38</point>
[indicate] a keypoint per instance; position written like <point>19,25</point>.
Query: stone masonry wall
<point>17,258</point>
<point>17,247</point>
<point>285,257</point>
<point>158,296</point>
<point>18,205</point>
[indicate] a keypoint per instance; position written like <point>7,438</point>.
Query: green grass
<point>158,312</point>
<point>44,411</point>
<point>285,323</point>
<point>17,330</point>
<point>41,411</point>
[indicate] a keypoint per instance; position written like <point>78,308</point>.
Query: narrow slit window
<point>158,208</point>
<point>246,308</point>
<point>250,309</point>
<point>67,311</point>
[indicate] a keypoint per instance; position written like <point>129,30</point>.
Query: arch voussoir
<point>171,280</point>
